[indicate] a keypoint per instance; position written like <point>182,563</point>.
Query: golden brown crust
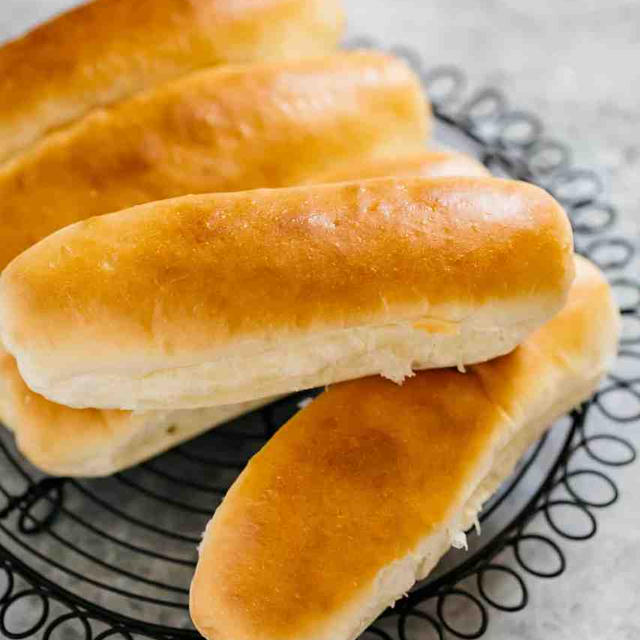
<point>356,480</point>
<point>176,281</point>
<point>427,164</point>
<point>351,488</point>
<point>107,50</point>
<point>220,129</point>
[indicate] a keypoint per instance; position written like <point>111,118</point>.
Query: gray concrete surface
<point>577,65</point>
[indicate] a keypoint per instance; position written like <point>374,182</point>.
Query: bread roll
<point>220,129</point>
<point>359,494</point>
<point>224,298</point>
<point>108,50</point>
<point>428,164</point>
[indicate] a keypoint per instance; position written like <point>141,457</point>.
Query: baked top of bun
<point>307,539</point>
<point>180,281</point>
<point>107,50</point>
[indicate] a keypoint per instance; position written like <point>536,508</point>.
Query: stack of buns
<point>208,207</point>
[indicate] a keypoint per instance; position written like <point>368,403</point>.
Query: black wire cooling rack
<point>112,558</point>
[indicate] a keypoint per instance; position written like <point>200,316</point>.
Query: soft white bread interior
<point>224,298</point>
<point>372,482</point>
<point>92,442</point>
<point>219,129</point>
<point>107,50</point>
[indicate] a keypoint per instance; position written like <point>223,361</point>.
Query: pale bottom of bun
<point>398,578</point>
<point>262,370</point>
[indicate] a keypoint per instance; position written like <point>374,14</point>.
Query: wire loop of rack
<point>101,599</point>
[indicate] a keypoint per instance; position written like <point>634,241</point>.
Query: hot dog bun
<point>225,298</point>
<point>107,50</point>
<point>372,481</point>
